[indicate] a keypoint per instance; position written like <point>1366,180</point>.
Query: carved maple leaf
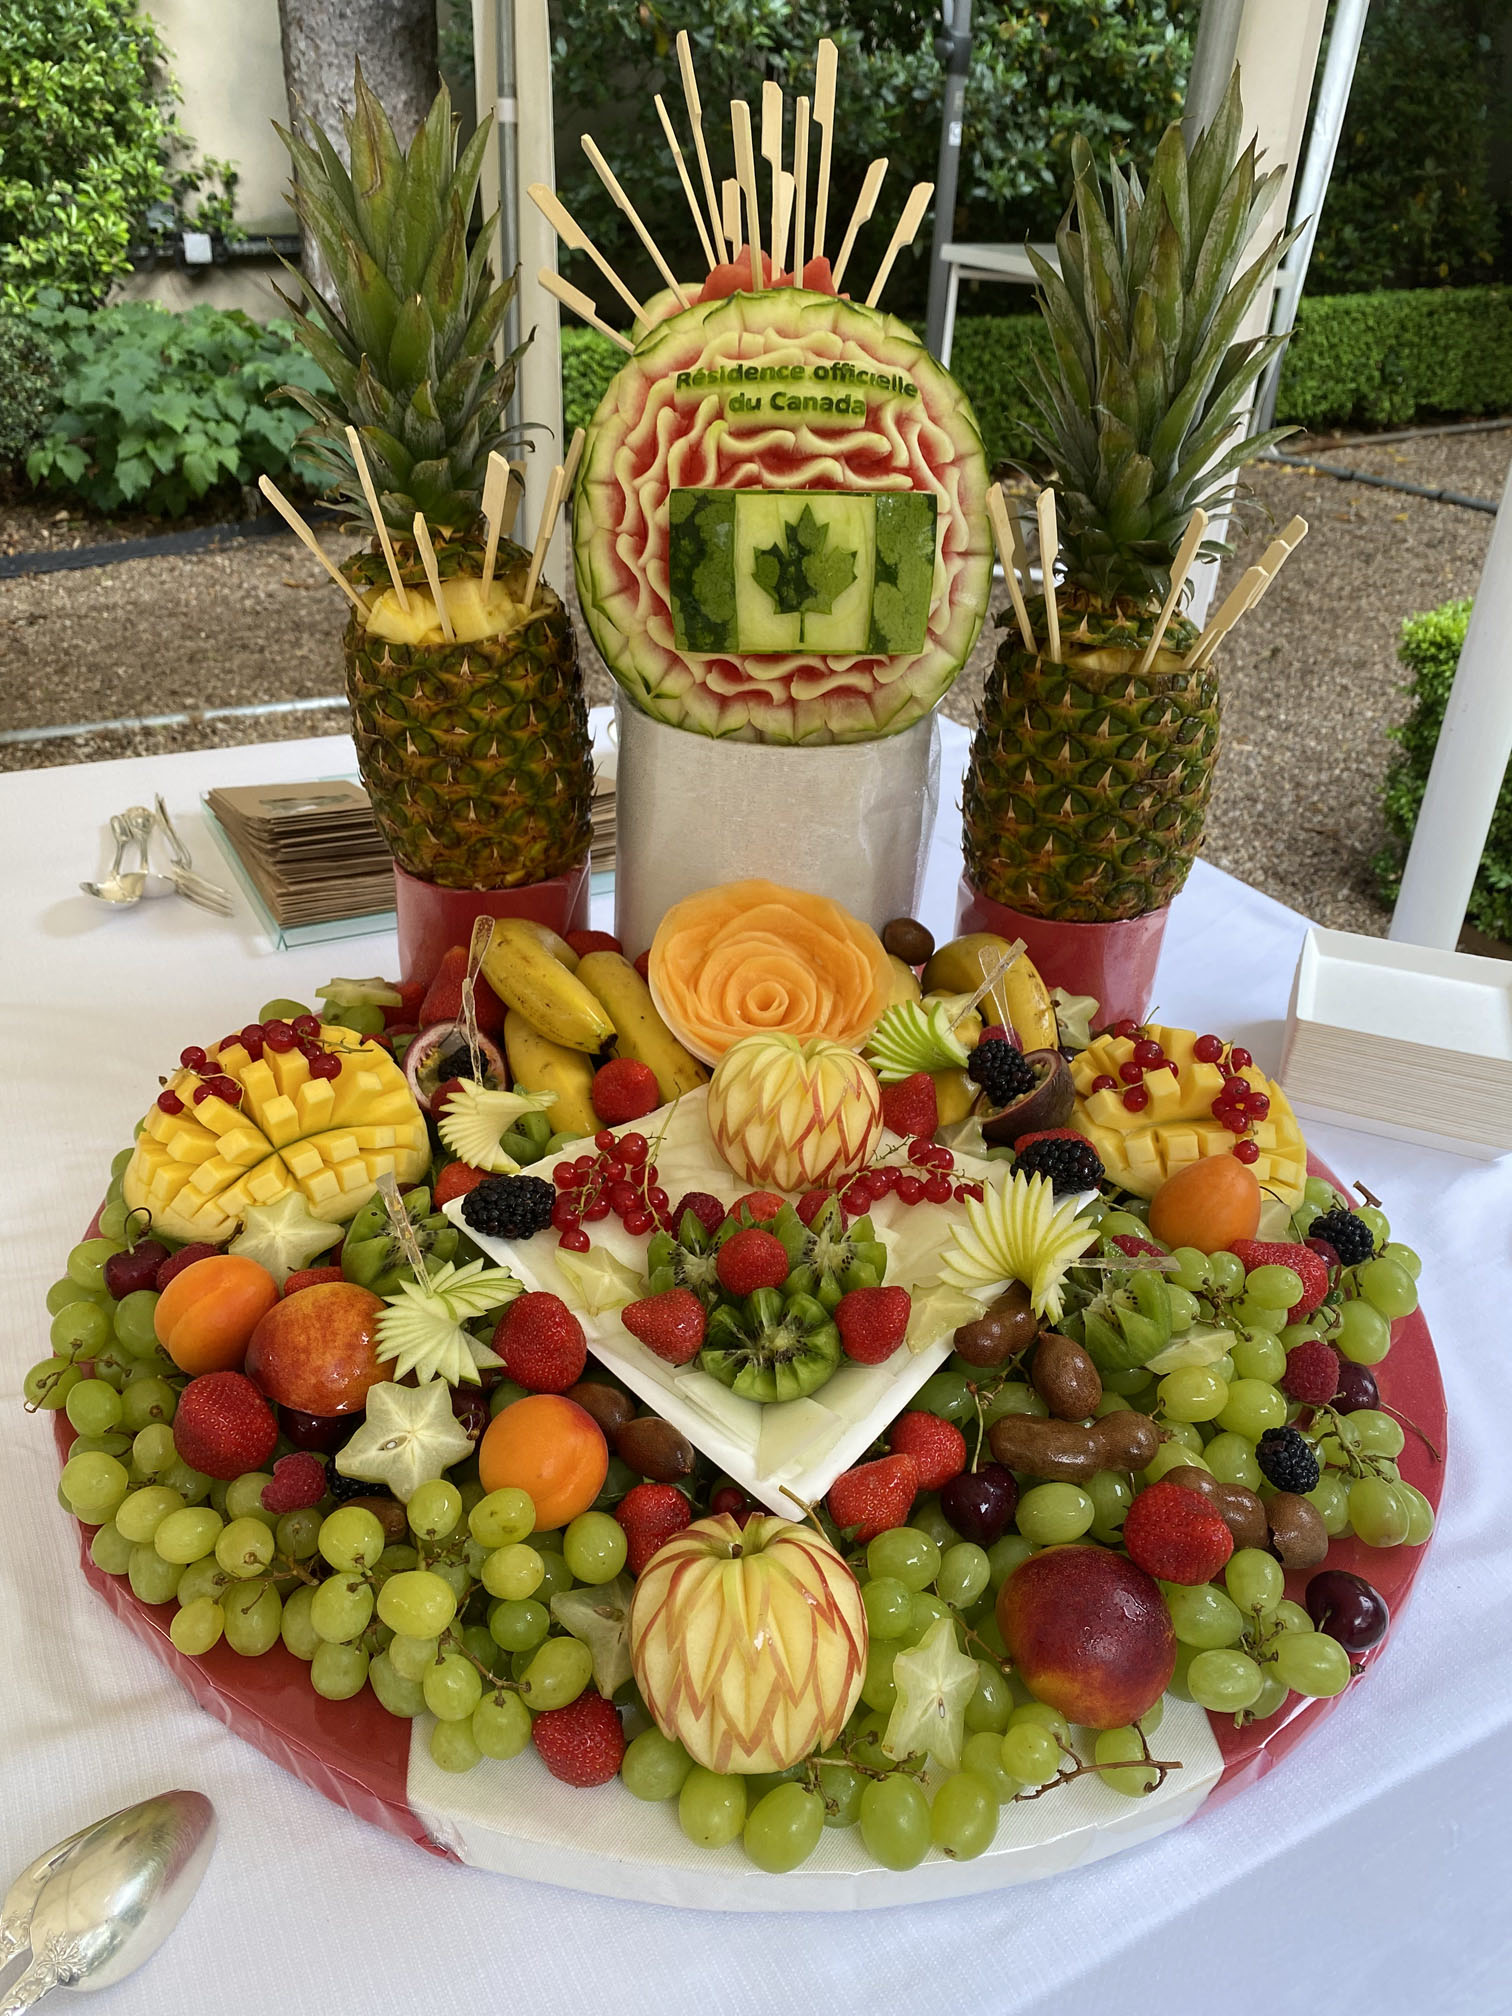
<point>802,572</point>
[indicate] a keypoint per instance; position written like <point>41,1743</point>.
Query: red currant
<point>1148,1053</point>
<point>920,1151</point>
<point>278,1037</point>
<point>325,1065</point>
<point>1124,1029</point>
<point>1258,1104</point>
<point>1136,1098</point>
<point>1246,1151</point>
<point>938,1188</point>
<point>651,1172</point>
<point>623,1198</point>
<point>657,1198</point>
<point>883,1182</point>
<point>309,1048</point>
<point>603,1139</point>
<point>596,1212</point>
<point>941,1158</point>
<point>1207,1049</point>
<point>170,1102</point>
<point>202,1093</point>
<point>1236,1088</point>
<point>910,1189</point>
<point>1239,1059</point>
<point>856,1199</point>
<point>613,1169</point>
<point>306,1025</point>
<point>575,1242</point>
<point>1103,1083</point>
<point>633,1149</point>
<point>1173,1067</point>
<point>564,1176</point>
<point>565,1215</point>
<point>1235,1123</point>
<point>228,1090</point>
<point>637,1223</point>
<point>1130,1072</point>
<point>193,1059</point>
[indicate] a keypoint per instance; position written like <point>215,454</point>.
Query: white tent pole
<point>541,366</point>
<point>1469,763</point>
<point>1213,55</point>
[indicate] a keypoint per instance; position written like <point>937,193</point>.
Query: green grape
<point>556,1577</point>
<point>86,1262</point>
<point>452,1747</point>
<point>1272,1695</point>
<point>1254,1580</point>
<point>1410,1263</point>
<point>1291,1616</point>
<point>197,1626</point>
<point>1376,1223</point>
<point>501,1518</point>
<point>140,1515</point>
<point>452,1687</point>
<point>1224,1368</point>
<point>1040,1715</point>
<point>204,1577</point>
<point>518,1626</point>
<point>1003,1556</point>
<point>557,1674</point>
<point>1112,1494</point>
<point>297,1534</point>
<point>1014,1397</point>
<point>282,1009</point>
<point>964,1817</point>
<point>153,1580</point>
<point>501,1725</point>
<point>1191,1270</point>
<point>840,1788</point>
<point>113,1215</point>
<point>1116,1224</point>
<point>1223,1681</point>
<point>1321,1194</point>
<point>924,1612</point>
<point>114,1366</point>
<point>504,1395</point>
<point>783,1828</point>
<point>1185,1308</point>
<point>1111,1403</point>
<point>947,1394</point>
<point>365,1017</point>
<point>1119,1756</point>
<point>513,1572</point>
<point>926,1517</point>
<point>1170,1456</point>
<point>594,1547</point>
<point>878,1688</point>
<point>905,1555</point>
<point>866,1733</point>
<point>417,1604</point>
<point>1377,1514</point>
<point>1311,1663</point>
<point>337,1672</point>
<point>94,1486</point>
<point>135,1327</point>
<point>982,1755</point>
<point>296,1626</point>
<point>1276,1287</point>
<point>49,1382</point>
<point>245,1548</point>
<point>65,1292</point>
<point>254,1615</point>
<point>351,1537</point>
<point>409,1657</point>
<point>550,1543</point>
<point>1153,1716</point>
<point>1030,1753</point>
<point>145,1402</point>
<point>1129,1384</point>
<point>964,1574</point>
<point>118,1446</point>
<point>711,1807</point>
<point>110,1551</point>
<point>1259,1355</point>
<point>1363,1335</point>
<point>655,1767</point>
<point>988,1635</point>
<point>473,1557</point>
<point>991,1705</point>
<point>342,1609</point>
<point>1226,1271</point>
<point>1192,1393</point>
<point>483,1649</point>
<point>434,1510</point>
<point>1419,1515</point>
<point>1251,1408</point>
<point>1203,1617</point>
<point>453,1574</point>
<point>188,1534</point>
<point>403,1698</point>
<point>886,1602</point>
<point>79,1330</point>
<point>152,1449</point>
<point>1187,1433</point>
<point>1050,1514</point>
<point>895,1822</point>
<point>1379,1434</point>
<point>1388,1287</point>
<point>244,1501</point>
<point>1331,1496</point>
<point>1253,1315</point>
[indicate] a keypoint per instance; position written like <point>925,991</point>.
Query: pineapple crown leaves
<point>1148,371</point>
<point>407,342</point>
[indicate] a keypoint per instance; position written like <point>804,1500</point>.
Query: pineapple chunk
<point>472,617</point>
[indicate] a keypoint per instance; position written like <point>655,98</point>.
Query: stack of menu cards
<point>312,851</point>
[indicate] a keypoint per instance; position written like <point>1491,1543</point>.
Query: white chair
<point>1008,263</point>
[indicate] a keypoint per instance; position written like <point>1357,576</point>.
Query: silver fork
<point>182,859</point>
<point>194,888</point>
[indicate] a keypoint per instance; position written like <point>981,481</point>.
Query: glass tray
<point>285,937</point>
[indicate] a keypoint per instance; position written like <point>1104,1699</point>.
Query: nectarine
<point>317,1351</point>
<point>550,1447</point>
<point>206,1315</point>
<point>1089,1632</point>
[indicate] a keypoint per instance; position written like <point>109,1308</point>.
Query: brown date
<point>1065,1377</point>
<point>607,1404</point>
<point>1298,1537</point>
<point>1236,1505</point>
<point>909,940</point>
<point>1055,1450</point>
<point>656,1449</point>
<point>1005,1327</point>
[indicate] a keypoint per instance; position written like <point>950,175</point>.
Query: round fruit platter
<point>929,1500</point>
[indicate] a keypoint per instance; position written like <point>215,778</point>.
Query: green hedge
<point>1384,360</point>
<point>1430,650</point>
<point>589,361</point>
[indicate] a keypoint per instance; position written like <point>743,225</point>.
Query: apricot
<point>206,1315</point>
<point>1209,1205</point>
<point>550,1447</point>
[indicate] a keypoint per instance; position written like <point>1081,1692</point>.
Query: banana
<point>639,1029</point>
<point>905,985</point>
<point>1020,998</point>
<point>525,976</point>
<point>536,1064</point>
<point>954,1094</point>
<point>557,947</point>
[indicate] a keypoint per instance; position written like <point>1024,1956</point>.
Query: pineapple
<point>1090,779</point>
<point>475,752</point>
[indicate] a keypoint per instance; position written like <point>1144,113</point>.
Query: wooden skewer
<point>495,491</point>
<point>730,193</point>
<point>1278,552</point>
<point>555,490</point>
<point>1181,566</point>
<point>365,477</point>
<point>610,181</point>
<point>574,457</point>
<point>575,299</point>
<point>824,118</point>
<point>771,153</point>
<point>786,198</point>
<point>576,239</point>
<point>800,183</point>
<point>997,512</point>
<point>745,174</point>
<point>1238,599</point>
<point>866,202</point>
<point>514,497</point>
<point>905,233</point>
<point>433,575</point>
<point>1044,511</point>
<point>686,181</point>
<point>695,120</point>
<point>298,527</point>
<point>1020,550</point>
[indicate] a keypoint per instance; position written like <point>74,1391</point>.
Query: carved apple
<point>794,1115</point>
<point>748,1644</point>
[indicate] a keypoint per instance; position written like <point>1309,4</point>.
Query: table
<point>1372,1869</point>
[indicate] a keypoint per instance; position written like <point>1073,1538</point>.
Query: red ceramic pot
<point>432,919</point>
<point>1116,962</point>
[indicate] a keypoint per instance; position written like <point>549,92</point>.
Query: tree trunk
<point>322,43</point>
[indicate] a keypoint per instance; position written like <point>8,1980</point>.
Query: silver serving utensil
<point>193,888</point>
<point>21,1898</point>
<point>118,890</point>
<point>115,1896</point>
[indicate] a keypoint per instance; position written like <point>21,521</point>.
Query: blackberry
<point>1003,1073</point>
<point>342,1489</point>
<point>1068,1159</point>
<point>510,1207</point>
<point>1350,1237</point>
<point>1288,1460</point>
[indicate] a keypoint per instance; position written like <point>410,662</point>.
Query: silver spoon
<point>118,890</point>
<point>115,1897</point>
<point>21,1898</point>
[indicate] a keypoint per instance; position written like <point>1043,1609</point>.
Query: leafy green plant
<point>589,361</point>
<point>28,388</point>
<point>159,409</point>
<point>1430,649</point>
<point>1390,358</point>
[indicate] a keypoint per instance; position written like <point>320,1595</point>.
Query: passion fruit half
<point>1048,1102</point>
<point>440,1054</point>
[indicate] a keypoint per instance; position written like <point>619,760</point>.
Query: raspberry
<point>874,1497</point>
<point>671,1324</point>
<point>757,1206</point>
<point>542,1344</point>
<point>1288,1460</point>
<point>455,1180</point>
<point>912,1106</point>
<point>938,1447</point>
<point>872,1322</point>
<point>1312,1373</point>
<point>583,1743</point>
<point>1135,1248</point>
<point>299,1481</point>
<point>752,1259</point>
<point>224,1427</point>
<point>650,1514</point>
<point>1175,1535</point>
<point>705,1207</point>
<point>624,1089</point>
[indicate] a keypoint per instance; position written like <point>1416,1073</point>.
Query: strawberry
<point>871,1322</point>
<point>912,1106</point>
<point>812,1202</point>
<point>583,1743</point>
<point>455,1180</point>
<point>624,1089</point>
<point>299,1481</point>
<point>874,1497</point>
<point>650,1514</point>
<point>310,1277</point>
<point>443,997</point>
<point>642,964</point>
<point>937,1447</point>
<point>752,1259</point>
<point>671,1324</point>
<point>1176,1535</point>
<point>224,1427</point>
<point>1135,1248</point>
<point>1312,1373</point>
<point>177,1262</point>
<point>442,1093</point>
<point>996,1033</point>
<point>757,1206</point>
<point>706,1208</point>
<point>584,942</point>
<point>406,1011</point>
<point>1312,1268</point>
<point>542,1343</point>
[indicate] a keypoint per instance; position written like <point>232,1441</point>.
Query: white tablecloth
<point>1371,1871</point>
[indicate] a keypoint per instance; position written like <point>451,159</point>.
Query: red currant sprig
<point>1146,1056</point>
<point>1238,1105</point>
<point>620,1179</point>
<point>927,1181</point>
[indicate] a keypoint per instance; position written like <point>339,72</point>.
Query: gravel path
<point>1311,682</point>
